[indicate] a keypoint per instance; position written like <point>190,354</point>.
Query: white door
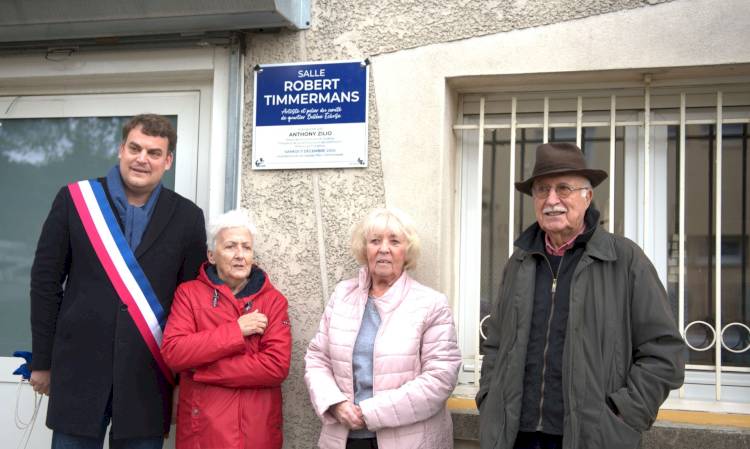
<point>45,143</point>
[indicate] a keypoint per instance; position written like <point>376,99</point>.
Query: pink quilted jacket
<point>416,362</point>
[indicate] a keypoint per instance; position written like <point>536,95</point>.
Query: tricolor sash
<point>121,266</point>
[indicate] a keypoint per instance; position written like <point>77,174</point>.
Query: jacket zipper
<point>549,328</point>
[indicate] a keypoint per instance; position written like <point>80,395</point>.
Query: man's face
<point>143,161</point>
<point>560,217</point>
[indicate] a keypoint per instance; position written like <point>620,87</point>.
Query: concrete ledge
<point>673,435</point>
<point>663,435</point>
<point>465,424</point>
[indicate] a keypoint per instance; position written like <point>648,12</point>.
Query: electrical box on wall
<point>43,20</point>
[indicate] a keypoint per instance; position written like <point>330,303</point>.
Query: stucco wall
<point>304,216</point>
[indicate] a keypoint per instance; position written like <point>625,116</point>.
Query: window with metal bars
<point>677,160</point>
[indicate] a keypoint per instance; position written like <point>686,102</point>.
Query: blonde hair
<point>388,219</point>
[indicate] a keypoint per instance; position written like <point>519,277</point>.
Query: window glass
<point>700,244</point>
<point>734,245</point>
<point>494,215</point>
<point>37,157</point>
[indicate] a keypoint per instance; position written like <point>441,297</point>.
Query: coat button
<point>195,412</point>
<point>124,307</point>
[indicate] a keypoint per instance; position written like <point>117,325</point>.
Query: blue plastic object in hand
<point>24,370</point>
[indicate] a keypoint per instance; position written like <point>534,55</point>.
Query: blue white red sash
<point>121,266</point>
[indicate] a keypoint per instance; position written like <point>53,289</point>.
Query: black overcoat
<point>83,333</point>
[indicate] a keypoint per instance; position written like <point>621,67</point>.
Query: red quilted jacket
<point>230,385</point>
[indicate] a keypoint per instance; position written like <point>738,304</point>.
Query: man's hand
<point>348,414</point>
<point>252,323</point>
<point>40,381</point>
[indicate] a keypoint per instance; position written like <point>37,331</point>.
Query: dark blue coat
<point>83,333</point>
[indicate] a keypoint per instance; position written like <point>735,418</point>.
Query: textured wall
<point>304,216</point>
<point>343,28</point>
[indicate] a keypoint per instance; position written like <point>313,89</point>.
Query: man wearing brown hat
<point>582,347</point>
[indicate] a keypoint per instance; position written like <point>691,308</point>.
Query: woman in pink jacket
<point>385,358</point>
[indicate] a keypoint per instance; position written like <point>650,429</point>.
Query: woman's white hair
<point>387,219</point>
<point>236,218</point>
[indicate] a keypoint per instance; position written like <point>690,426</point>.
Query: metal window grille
<point>651,112</point>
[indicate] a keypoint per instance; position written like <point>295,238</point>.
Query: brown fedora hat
<point>560,159</point>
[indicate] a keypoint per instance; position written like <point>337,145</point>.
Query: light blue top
<point>362,361</point>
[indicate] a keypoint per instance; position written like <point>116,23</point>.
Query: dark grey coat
<point>621,343</point>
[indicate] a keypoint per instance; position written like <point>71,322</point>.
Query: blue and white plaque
<point>310,115</point>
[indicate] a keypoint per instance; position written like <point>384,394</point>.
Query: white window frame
<point>647,162</point>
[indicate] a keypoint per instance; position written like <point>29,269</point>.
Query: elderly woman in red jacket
<point>228,336</point>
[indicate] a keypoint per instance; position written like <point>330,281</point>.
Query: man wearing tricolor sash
<point>111,253</point>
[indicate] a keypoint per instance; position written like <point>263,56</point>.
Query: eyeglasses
<point>562,190</point>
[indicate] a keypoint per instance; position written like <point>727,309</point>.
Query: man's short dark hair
<point>152,125</point>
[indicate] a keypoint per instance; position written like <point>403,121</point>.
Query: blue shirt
<point>362,361</point>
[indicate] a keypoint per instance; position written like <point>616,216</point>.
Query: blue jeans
<point>67,441</point>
